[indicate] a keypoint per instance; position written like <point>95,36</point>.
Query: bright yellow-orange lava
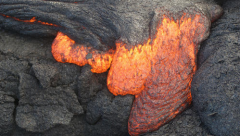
<point>65,49</point>
<point>158,73</point>
<point>130,68</point>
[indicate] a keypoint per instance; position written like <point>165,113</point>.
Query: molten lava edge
<point>65,50</point>
<point>159,73</point>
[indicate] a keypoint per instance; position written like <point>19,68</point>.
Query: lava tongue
<point>159,73</point>
<point>65,49</point>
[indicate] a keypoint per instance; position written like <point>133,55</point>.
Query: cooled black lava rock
<point>96,23</point>
<point>96,106</point>
<point>186,124</point>
<point>40,109</point>
<point>109,115</point>
<point>216,85</point>
<point>7,107</point>
<point>88,86</point>
<point>44,73</point>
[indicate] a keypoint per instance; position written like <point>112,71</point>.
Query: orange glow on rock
<point>158,73</point>
<point>65,49</point>
<point>33,20</point>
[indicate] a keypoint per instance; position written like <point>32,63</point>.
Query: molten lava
<point>158,73</point>
<point>65,49</point>
<point>173,42</point>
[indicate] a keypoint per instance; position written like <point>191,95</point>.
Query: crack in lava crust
<point>159,73</point>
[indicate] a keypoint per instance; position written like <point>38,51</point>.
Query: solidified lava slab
<point>158,73</point>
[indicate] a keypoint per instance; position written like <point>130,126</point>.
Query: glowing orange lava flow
<point>65,49</point>
<point>158,73</point>
<point>33,20</point>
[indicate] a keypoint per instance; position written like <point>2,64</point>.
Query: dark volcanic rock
<point>55,105</point>
<point>8,90</point>
<point>7,107</point>
<point>109,114</point>
<point>112,121</point>
<point>88,86</point>
<point>95,108</point>
<point>116,114</point>
<point>186,124</point>
<point>8,83</point>
<point>216,86</point>
<point>44,73</point>
<point>96,23</point>
<point>14,66</point>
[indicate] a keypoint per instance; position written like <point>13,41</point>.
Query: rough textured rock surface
<point>39,96</point>
<point>186,124</point>
<point>55,105</point>
<point>7,107</point>
<point>216,86</point>
<point>44,73</point>
<point>88,86</point>
<point>95,23</point>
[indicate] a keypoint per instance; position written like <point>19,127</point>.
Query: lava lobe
<point>65,49</point>
<point>158,73</point>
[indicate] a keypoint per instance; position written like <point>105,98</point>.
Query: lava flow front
<point>65,49</point>
<point>158,73</point>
